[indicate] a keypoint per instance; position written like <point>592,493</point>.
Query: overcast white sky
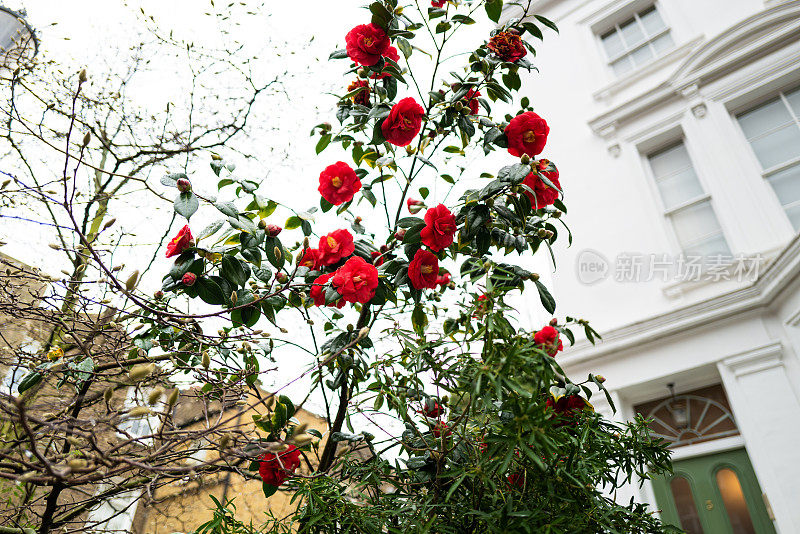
<point>312,29</point>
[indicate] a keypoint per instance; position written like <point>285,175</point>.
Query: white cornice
<point>712,60</point>
<point>757,295</point>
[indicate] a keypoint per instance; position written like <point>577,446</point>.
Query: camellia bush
<point>445,413</point>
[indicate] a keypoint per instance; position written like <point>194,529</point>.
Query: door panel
<point>713,494</point>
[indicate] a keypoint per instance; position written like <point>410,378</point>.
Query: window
<point>773,131</point>
<point>636,41</point>
<point>138,427</point>
<point>687,206</point>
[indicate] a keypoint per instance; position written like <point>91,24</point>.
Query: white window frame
<point>674,139</point>
<point>623,16</point>
<point>767,173</point>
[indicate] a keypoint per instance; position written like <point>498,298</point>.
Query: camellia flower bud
<point>262,224</point>
<point>600,378</point>
<point>189,279</point>
<point>534,276</point>
<point>553,321</point>
<point>414,206</point>
<point>158,295</point>
<point>400,234</point>
<point>273,230</point>
<point>184,185</point>
<point>524,159</point>
<point>173,397</point>
<point>281,277</point>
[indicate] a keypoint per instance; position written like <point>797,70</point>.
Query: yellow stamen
<point>331,242</point>
<point>336,181</point>
<point>529,137</point>
<point>357,279</point>
<point>426,269</point>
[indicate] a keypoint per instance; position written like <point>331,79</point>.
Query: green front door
<point>713,494</point>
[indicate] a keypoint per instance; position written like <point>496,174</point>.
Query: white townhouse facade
<point>675,125</point>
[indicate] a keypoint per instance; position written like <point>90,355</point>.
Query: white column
<point>767,412</point>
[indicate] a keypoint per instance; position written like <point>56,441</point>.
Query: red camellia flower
<point>338,183</point>
<point>361,97</point>
<point>366,43</point>
<point>180,242</point>
<point>318,291</point>
<point>508,46</point>
<point>437,3</point>
<point>440,227</point>
<point>443,280</point>
<point>276,468</point>
<point>424,269</point>
<point>335,246</point>
<point>527,134</point>
<point>391,53</point>
<point>568,405</point>
<point>310,259</point>
<point>441,429</point>
<point>548,339</point>
<point>432,409</point>
<point>544,194</point>
<point>189,279</point>
<point>472,101</point>
<point>356,280</point>
<point>403,123</point>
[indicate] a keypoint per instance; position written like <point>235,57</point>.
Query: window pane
<point>623,65</point>
<point>651,21</point>
<point>665,42</point>
<point>787,184</point>
<point>631,33</point>
<point>794,101</point>
<point>613,44</point>
<point>794,216</point>
<point>684,502</point>
<point>735,505</point>
<point>670,160</point>
<point>709,247</point>
<point>642,55</point>
<point>695,224</point>
<point>777,147</point>
<point>764,118</point>
<point>679,188</point>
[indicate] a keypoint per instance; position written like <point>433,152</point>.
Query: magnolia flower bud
<point>108,393</point>
<point>141,371</point>
<point>77,463</point>
<point>542,232</point>
<point>273,230</point>
<point>277,252</point>
<point>107,225</point>
<point>299,429</point>
<point>130,283</point>
<point>189,279</point>
<point>184,185</point>
<point>86,138</point>
<point>234,297</point>
<point>302,439</point>
<point>206,360</point>
<point>364,332</point>
<point>173,397</point>
<point>138,411</point>
<point>82,76</point>
<point>155,395</point>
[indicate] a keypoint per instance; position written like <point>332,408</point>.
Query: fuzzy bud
<point>302,439</point>
<point>273,230</point>
<point>206,360</point>
<point>542,232</point>
<point>108,225</point>
<point>108,393</point>
<point>155,395</point>
<point>82,76</point>
<point>173,397</point>
<point>86,138</point>
<point>138,411</point>
<point>77,463</point>
<point>234,297</point>
<point>141,371</point>
<point>189,279</point>
<point>277,252</point>
<point>184,185</point>
<point>130,283</point>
